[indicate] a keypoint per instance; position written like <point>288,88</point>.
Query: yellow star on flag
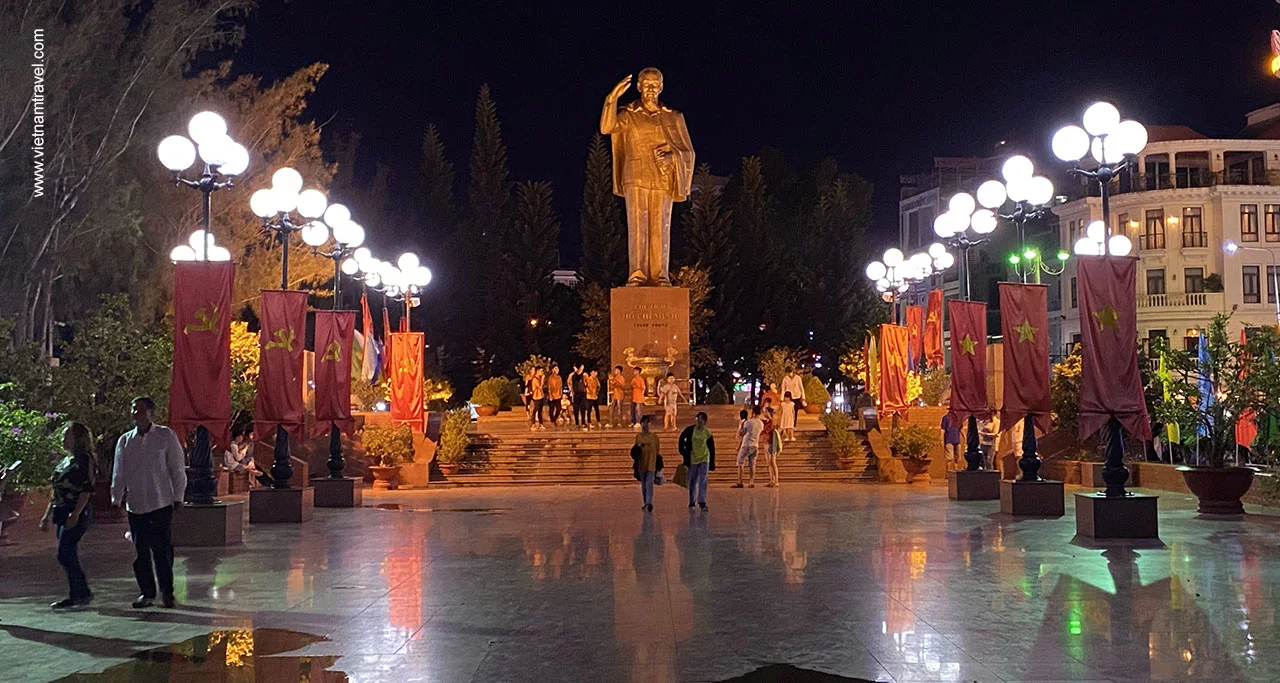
<point>1025,331</point>
<point>968,345</point>
<point>1107,317</point>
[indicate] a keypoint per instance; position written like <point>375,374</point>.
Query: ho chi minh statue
<point>652,167</point>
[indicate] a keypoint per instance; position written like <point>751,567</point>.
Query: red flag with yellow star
<point>933,330</point>
<point>893,370</point>
<point>1024,322</point>
<point>335,334</point>
<point>968,359</point>
<point>280,343</point>
<point>915,336</point>
<point>1110,383</point>
<point>406,379</point>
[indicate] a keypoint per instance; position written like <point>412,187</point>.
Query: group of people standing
<point>549,398</point>
<point>148,477</point>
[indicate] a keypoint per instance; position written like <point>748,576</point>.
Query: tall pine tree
<point>529,258</point>
<point>433,188</point>
<point>488,192</point>
<point>604,230</point>
<point>709,249</point>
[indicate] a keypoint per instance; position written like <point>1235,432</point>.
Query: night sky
<point>880,86</point>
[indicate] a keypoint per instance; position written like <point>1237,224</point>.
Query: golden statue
<point>652,167</point>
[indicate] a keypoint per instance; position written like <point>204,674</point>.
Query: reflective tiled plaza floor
<point>577,584</point>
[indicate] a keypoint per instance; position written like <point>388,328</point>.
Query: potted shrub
<point>912,443</point>
<point>487,396</point>
<point>386,448</point>
<point>844,442</point>
<point>1205,393</point>
<point>453,440</point>
<point>816,395</point>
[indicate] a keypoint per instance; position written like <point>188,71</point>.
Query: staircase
<point>505,452</point>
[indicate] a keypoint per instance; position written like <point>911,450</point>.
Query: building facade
<point>924,196</point>
<point>1185,198</point>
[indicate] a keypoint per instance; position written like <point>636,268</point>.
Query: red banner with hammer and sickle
<point>280,341</point>
<point>407,399</point>
<point>335,336</point>
<point>200,392</point>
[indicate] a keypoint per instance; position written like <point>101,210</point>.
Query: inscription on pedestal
<point>653,323</point>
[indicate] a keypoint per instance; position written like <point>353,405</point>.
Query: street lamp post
<point>962,215</point>
<point>286,196</point>
<point>347,237</point>
<point>1030,195</point>
<point>1112,143</point>
<point>223,159</point>
<point>890,276</point>
<point>1232,247</point>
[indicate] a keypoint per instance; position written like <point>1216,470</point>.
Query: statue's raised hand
<point>620,88</point>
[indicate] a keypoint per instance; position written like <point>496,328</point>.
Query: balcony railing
<point>1194,239</point>
<point>1182,178</point>
<point>1183,300</point>
<point>1151,240</point>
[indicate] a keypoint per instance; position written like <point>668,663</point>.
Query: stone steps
<point>505,452</point>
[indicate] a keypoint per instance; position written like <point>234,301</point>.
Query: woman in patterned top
<point>70,511</point>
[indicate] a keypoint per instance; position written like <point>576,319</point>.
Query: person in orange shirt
<point>637,397</point>
<point>617,394</point>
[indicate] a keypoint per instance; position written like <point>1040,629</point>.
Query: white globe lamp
<point>315,234</point>
<point>287,180</point>
<point>263,203</point>
<point>991,194</point>
<point>311,203</point>
<point>206,127</point>
<point>176,153</point>
<point>1101,118</point>
<point>1070,143</point>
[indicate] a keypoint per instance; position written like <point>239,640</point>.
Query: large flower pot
<point>847,465</point>
<point>448,469</point>
<point>1219,489</point>
<point>814,408</point>
<point>486,411</point>
<point>917,470</point>
<point>385,478</point>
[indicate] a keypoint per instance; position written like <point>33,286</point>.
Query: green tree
<point>698,282</point>
<point>604,240</point>
<point>109,64</point>
<point>531,255</point>
<point>488,193</point>
<point>433,191</point>
<point>111,360</point>
<point>592,342</point>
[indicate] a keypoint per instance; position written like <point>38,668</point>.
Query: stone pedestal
<point>272,506</point>
<point>347,492</point>
<point>975,485</point>
<point>1032,498</point>
<point>654,323</point>
<point>1133,516</point>
<point>221,523</point>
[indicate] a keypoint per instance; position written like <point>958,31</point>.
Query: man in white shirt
<point>749,431</point>
<point>150,477</point>
<point>793,383</point>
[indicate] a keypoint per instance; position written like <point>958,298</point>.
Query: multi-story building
<point>924,196</point>
<point>1184,199</point>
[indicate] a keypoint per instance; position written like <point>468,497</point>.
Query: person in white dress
<point>787,417</point>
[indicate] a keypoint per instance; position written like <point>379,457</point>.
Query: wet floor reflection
<point>240,656</point>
